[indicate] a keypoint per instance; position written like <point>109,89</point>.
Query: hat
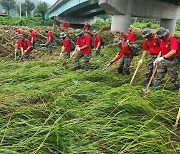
<point>20,36</point>
<point>162,32</point>
<point>94,32</point>
<point>116,41</point>
<point>46,30</point>
<point>78,32</point>
<point>146,32</point>
<point>62,34</point>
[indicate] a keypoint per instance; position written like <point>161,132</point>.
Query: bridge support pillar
<point>120,23</point>
<point>169,24</point>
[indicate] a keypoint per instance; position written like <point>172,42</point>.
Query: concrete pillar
<point>169,24</point>
<point>122,22</point>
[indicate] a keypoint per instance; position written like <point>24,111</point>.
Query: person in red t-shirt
<point>150,45</point>
<point>127,55</point>
<point>18,42</point>
<point>66,45</point>
<point>32,38</point>
<point>130,36</point>
<point>97,42</point>
<point>25,47</point>
<point>87,26</point>
<point>168,62</point>
<point>49,41</point>
<point>83,46</point>
<point>64,25</point>
<point>124,36</point>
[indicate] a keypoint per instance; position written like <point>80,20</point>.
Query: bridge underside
<point>79,13</point>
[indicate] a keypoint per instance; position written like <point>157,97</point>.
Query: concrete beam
<point>142,8</point>
<point>169,24</point>
<point>73,20</point>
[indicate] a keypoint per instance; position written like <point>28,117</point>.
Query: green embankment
<point>45,108</point>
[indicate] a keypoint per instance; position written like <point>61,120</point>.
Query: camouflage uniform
<point>149,66</point>
<point>66,55</point>
<point>125,64</point>
<point>86,60</point>
<point>171,67</point>
<point>49,46</point>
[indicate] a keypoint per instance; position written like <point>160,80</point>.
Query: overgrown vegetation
<point>30,21</point>
<point>46,108</point>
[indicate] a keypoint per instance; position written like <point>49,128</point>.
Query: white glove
<point>78,49</point>
<point>97,49</point>
<point>140,61</point>
<point>127,41</point>
<point>158,60</point>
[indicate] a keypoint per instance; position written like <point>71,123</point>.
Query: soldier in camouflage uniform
<point>66,45</point>
<point>126,54</point>
<point>168,62</point>
<point>150,45</point>
<point>83,46</point>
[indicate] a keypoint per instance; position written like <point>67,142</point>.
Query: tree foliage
<point>27,6</point>
<point>8,4</point>
<point>42,8</point>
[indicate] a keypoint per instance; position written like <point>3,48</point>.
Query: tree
<point>27,6</point>
<point>8,5</point>
<point>42,8</point>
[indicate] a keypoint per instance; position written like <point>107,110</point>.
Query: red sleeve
<point>145,46</point>
<point>66,43</point>
<point>174,44</point>
<point>98,39</point>
<point>118,56</point>
<point>78,41</point>
<point>28,43</point>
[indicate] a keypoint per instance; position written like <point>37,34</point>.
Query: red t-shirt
<point>131,37</point>
<point>152,45</point>
<point>18,31</point>
<point>25,44</point>
<point>49,36</point>
<point>170,43</point>
<point>82,41</point>
<point>64,25</point>
<point>67,44</point>
<point>33,35</point>
<point>18,45</point>
<point>96,40</point>
<point>125,50</point>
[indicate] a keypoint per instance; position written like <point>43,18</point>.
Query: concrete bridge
<point>79,11</point>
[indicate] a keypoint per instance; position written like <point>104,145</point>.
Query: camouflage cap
<point>62,34</point>
<point>162,32</point>
<point>78,32</point>
<point>146,32</point>
<point>116,41</point>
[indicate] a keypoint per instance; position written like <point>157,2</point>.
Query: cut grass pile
<point>46,109</point>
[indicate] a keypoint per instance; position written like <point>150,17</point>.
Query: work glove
<point>158,60</point>
<point>78,49</point>
<point>140,61</point>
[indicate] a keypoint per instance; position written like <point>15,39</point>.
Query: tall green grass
<point>46,108</point>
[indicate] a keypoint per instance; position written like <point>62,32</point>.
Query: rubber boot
<point>77,68</point>
<point>127,72</point>
<point>176,87</point>
<point>120,70</point>
<point>156,84</point>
